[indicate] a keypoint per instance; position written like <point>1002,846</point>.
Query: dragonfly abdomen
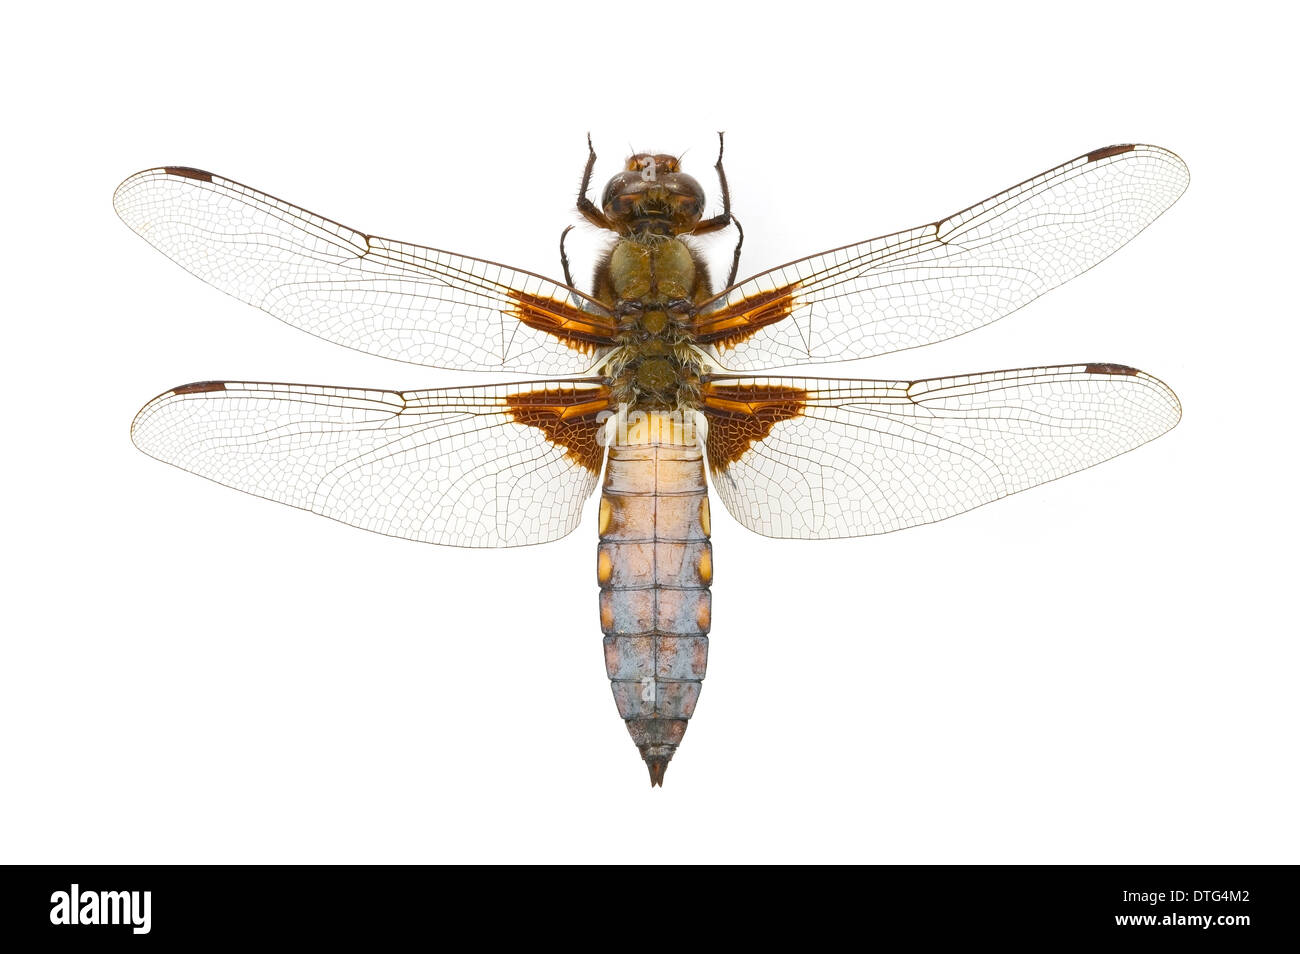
<point>654,565</point>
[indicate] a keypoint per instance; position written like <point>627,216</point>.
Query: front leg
<point>588,208</point>
<point>723,218</point>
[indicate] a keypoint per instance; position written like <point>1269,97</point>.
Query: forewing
<point>820,458</point>
<point>376,295</point>
<point>946,278</point>
<point>497,466</point>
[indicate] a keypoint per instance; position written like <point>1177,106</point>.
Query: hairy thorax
<point>653,284</point>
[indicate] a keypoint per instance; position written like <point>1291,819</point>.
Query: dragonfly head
<point>651,195</point>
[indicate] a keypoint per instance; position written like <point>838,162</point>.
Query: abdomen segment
<point>654,566</point>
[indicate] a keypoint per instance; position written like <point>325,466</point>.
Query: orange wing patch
<point>581,330</point>
<point>741,415</point>
<point>731,325</point>
<point>569,419</point>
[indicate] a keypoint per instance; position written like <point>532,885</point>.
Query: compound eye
<point>611,192</point>
<point>687,204</point>
<point>618,204</point>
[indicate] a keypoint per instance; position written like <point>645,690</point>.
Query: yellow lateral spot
<point>606,612</point>
<point>604,567</point>
<point>706,567</point>
<point>704,516</point>
<point>606,514</point>
<point>702,615</point>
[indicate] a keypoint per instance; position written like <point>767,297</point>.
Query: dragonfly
<point>653,376</point>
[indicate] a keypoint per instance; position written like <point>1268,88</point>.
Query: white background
<point>1100,670</point>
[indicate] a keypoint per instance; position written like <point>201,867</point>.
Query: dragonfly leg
<point>564,259</point>
<point>723,218</point>
<point>588,208</point>
<point>735,256</point>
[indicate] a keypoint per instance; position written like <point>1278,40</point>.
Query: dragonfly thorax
<point>650,272</point>
<point>653,286</point>
<point>648,378</point>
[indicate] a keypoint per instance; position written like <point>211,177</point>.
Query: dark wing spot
<point>200,387</point>
<point>185,172</point>
<point>741,415</point>
<point>1111,369</point>
<point>569,419</point>
<point>1110,151</point>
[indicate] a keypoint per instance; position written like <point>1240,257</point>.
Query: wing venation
<point>497,466</point>
<point>946,278</point>
<point>817,458</point>
<point>384,297</point>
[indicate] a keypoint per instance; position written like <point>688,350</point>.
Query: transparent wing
<point>373,294</point>
<point>821,458</point>
<point>496,466</point>
<point>946,278</point>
